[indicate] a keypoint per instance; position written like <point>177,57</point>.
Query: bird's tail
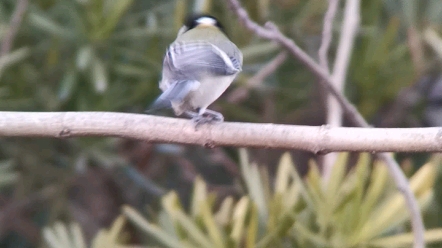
<point>158,104</point>
<point>176,92</point>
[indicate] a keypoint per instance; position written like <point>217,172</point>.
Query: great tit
<point>197,68</point>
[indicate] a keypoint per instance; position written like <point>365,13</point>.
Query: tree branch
<point>271,32</point>
<point>174,130</point>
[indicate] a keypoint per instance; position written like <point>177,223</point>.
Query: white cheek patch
<point>206,21</point>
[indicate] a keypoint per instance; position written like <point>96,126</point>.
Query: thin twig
<point>6,44</point>
<point>327,33</point>
<point>271,32</point>
<point>348,35</point>
<point>257,80</point>
<point>349,31</point>
<point>416,48</point>
<point>14,25</point>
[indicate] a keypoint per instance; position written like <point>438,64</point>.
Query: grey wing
<point>191,58</point>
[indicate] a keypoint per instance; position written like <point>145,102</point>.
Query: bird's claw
<point>207,118</point>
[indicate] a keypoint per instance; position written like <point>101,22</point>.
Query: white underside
<point>209,91</point>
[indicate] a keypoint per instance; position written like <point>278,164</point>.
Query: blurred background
<point>106,55</point>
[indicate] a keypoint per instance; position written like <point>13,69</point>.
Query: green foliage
<point>91,55</point>
<point>389,55</point>
<point>61,235</point>
<point>356,208</point>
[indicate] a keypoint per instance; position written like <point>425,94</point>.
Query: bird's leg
<point>204,116</point>
<point>215,116</point>
<point>191,114</point>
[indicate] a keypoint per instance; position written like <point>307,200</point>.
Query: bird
<point>198,67</point>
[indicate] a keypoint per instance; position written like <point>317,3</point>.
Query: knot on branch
<point>65,133</point>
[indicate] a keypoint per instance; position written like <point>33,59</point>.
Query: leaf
<point>131,70</point>
<point>254,185</point>
<point>143,33</point>
<point>113,16</point>
<point>13,57</point>
<point>116,228</point>
<point>109,238</point>
<point>423,180</point>
<point>167,224</point>
<point>433,39</point>
<point>99,76</point>
<point>336,179</point>
<point>173,208</point>
<point>406,239</point>
<point>280,231</point>
<point>210,224</point>
<point>153,230</point>
<point>393,211</point>
<point>44,23</point>
<point>61,232</point>
<point>84,57</point>
<point>314,189</point>
<point>77,236</point>
<point>62,235</point>
<point>199,196</point>
<point>316,239</point>
<point>374,192</point>
<point>238,219</point>
<point>303,189</point>
<point>283,173</point>
<point>252,228</point>
<point>224,213</point>
<point>67,85</point>
<point>51,238</point>
<point>192,230</point>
